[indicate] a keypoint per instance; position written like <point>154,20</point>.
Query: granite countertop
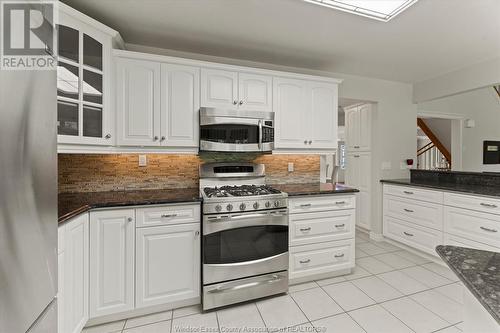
<point>313,189</point>
<point>464,188</point>
<point>73,204</point>
<point>479,271</point>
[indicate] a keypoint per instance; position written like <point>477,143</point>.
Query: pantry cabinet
<point>358,124</point>
<point>112,244</point>
<point>306,114</point>
<point>157,103</point>
<point>235,90</point>
<point>358,175</point>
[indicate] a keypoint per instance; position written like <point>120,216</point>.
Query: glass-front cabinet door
<point>83,102</point>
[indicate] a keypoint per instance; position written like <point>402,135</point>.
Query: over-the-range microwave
<point>236,131</point>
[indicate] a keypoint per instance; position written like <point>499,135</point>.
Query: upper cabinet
<point>358,123</point>
<point>157,104</point>
<point>306,114</point>
<point>236,90</point>
<point>84,85</point>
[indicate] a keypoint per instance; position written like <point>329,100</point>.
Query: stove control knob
<point>243,206</point>
<point>255,205</point>
<point>276,203</point>
<point>229,207</point>
<point>218,208</point>
<point>268,204</point>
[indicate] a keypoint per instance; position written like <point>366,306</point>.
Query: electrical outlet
<point>290,167</point>
<point>143,160</point>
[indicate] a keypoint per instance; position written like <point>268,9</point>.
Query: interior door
<point>289,105</point>
<point>180,102</point>
<point>111,261</point>
<point>138,102</point>
<point>219,89</point>
<point>323,116</point>
<point>255,92</point>
<point>167,264</point>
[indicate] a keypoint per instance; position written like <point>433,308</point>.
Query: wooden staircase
<point>434,154</point>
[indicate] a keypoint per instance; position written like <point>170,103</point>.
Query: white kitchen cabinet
<point>138,102</point>
<point>306,114</point>
<point>358,127</point>
<point>167,264</point>
<point>85,99</point>
<point>180,102</point>
<point>358,175</point>
<point>235,90</point>
<point>73,273</point>
<point>112,237</point>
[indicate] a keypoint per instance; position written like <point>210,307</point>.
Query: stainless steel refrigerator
<point>28,201</point>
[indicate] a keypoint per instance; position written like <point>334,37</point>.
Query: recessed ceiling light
<point>382,10</point>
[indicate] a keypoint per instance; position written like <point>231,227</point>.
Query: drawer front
<point>166,215</point>
<point>414,193</point>
<point>310,228</point>
<point>464,242</point>
<point>482,204</point>
<point>308,260</point>
<point>422,213</point>
<point>422,238</point>
<point>322,203</point>
<point>476,226</point>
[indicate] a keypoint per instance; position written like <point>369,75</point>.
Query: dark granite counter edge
<point>85,208</point>
<point>307,193</point>
<point>441,187</point>
<point>469,286</point>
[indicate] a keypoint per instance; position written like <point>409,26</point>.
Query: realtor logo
<point>28,35</point>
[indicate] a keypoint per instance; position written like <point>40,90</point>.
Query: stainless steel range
<point>245,234</point>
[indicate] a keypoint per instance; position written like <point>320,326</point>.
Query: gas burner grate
<point>239,191</point>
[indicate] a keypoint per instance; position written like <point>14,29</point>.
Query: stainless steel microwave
<point>236,131</point>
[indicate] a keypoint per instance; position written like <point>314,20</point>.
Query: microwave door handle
<point>260,134</point>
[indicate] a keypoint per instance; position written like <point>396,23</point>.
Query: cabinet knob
<point>241,102</point>
<point>196,233</point>
<point>305,142</point>
<point>310,141</point>
<point>129,219</point>
<point>155,138</point>
<point>163,138</point>
<point>108,136</point>
<point>235,102</point>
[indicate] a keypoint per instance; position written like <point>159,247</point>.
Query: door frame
<point>457,125</point>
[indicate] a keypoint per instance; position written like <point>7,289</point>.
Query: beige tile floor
<point>390,290</point>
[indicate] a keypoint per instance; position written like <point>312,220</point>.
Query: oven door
<point>244,244</point>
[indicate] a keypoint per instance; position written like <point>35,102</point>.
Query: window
<point>382,10</point>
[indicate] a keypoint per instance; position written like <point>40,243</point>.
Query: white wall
<point>394,126</point>
<point>482,105</point>
<point>442,129</point>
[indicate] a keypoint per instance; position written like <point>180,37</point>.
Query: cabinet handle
<point>108,136</point>
<point>356,146</point>
<point>340,202</point>
<point>340,225</point>
<point>305,229</point>
<point>407,234</point>
<point>339,255</point>
<point>162,138</point>
<point>168,215</point>
<point>356,156</point>
<point>241,102</point>
<point>488,229</point>
<point>305,261</point>
<point>408,210</point>
<point>407,192</point>
<point>129,219</point>
<point>235,102</point>
<point>155,138</point>
<point>305,205</point>
<point>488,205</point>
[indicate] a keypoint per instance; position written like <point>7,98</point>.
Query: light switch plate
<point>143,161</point>
<point>290,167</point>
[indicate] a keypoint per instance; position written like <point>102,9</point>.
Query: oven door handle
<point>260,134</point>
<point>275,278</point>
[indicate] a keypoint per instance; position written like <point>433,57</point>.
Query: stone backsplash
<point>117,172</point>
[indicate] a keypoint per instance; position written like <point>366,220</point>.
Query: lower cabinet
<point>73,272</point>
<point>112,237</point>
<point>321,236</point>
<point>167,264</point>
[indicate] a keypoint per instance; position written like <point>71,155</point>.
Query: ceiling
<point>431,38</point>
